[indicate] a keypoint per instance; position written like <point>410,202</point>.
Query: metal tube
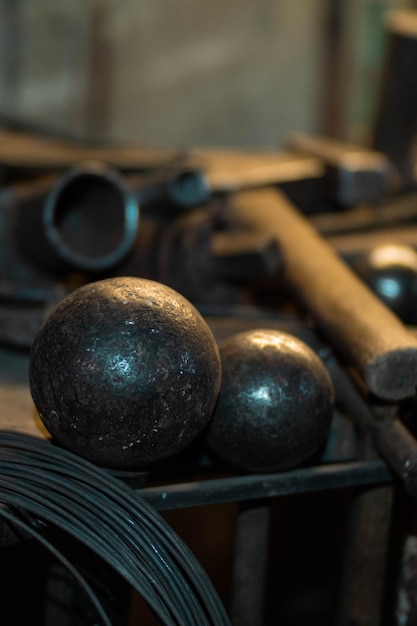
<point>181,189</point>
<point>87,222</point>
<point>362,329</point>
<point>91,218</point>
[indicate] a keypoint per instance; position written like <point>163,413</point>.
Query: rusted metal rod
<point>364,332</point>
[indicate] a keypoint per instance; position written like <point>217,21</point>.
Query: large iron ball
<point>125,372</point>
<point>275,405</point>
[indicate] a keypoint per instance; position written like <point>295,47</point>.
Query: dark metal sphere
<point>125,372</point>
<point>390,270</point>
<point>275,405</point>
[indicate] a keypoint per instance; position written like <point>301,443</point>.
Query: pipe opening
<point>91,220</point>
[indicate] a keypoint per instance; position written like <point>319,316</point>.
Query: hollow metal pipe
<point>88,221</point>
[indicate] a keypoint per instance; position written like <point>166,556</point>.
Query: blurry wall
<point>164,73</point>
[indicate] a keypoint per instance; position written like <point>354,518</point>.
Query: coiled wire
<point>57,487</point>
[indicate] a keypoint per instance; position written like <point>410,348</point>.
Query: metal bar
<point>335,69</point>
<point>362,592</point>
<point>252,487</point>
<point>396,112</point>
<point>392,213</point>
<point>250,564</point>
<point>406,601</point>
<point>285,169</point>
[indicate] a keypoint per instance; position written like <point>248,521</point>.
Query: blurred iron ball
<point>390,270</point>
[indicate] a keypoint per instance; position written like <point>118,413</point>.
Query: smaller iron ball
<point>275,405</point>
<point>125,372</point>
<point>390,270</point>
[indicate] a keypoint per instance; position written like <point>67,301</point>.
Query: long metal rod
<point>250,564</point>
<point>364,575</point>
<point>304,480</point>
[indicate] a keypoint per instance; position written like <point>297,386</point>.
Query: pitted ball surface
<point>275,405</point>
<point>125,372</point>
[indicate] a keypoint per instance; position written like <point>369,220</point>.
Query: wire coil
<point>58,488</point>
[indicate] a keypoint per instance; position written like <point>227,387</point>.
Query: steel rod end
<point>393,376</point>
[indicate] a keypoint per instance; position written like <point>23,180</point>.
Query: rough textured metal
<point>365,332</point>
<point>275,405</point>
<point>125,372</point>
